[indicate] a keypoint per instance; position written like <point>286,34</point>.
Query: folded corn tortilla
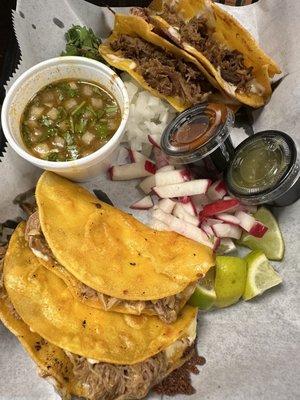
<point>158,66</point>
<point>83,351</point>
<point>220,43</point>
<point>108,259</point>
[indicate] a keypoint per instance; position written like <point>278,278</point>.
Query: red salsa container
<point>200,136</point>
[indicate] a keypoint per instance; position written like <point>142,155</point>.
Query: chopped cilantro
<point>102,130</point>
<point>82,41</point>
<point>73,152</point>
<point>46,121</point>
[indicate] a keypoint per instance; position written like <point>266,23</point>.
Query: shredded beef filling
<point>162,71</point>
<point>166,308</point>
<point>199,35</point>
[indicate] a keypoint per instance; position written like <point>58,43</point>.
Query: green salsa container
<point>265,169</point>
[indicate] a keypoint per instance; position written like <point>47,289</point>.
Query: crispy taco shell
<point>51,360</point>
<point>230,33</point>
<point>109,250</point>
<point>137,27</point>
<point>46,305</point>
<point>57,366</point>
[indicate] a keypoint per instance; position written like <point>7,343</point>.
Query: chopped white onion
<point>97,102</point>
<point>41,148</point>
<point>88,137</point>
<point>70,103</point>
<point>53,113</point>
<point>148,114</point>
<point>36,112</point>
<point>58,141</point>
<point>73,85</point>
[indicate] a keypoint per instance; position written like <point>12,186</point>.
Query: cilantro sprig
<point>82,41</point>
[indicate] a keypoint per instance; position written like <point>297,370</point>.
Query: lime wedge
<point>271,243</point>
<point>261,275</point>
<point>204,296</point>
<point>231,273</point>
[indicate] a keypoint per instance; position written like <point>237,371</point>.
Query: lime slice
<point>204,296</point>
<point>231,273</point>
<point>261,275</point>
<point>271,243</point>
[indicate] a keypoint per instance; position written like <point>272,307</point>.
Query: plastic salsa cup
<point>200,136</point>
<point>265,169</point>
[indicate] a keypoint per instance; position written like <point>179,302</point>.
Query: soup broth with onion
<point>69,119</point>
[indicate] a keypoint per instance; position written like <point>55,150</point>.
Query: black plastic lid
<point>264,167</point>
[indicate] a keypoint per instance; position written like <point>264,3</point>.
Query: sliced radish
<point>148,184</point>
<point>123,156</point>
<point>246,221</point>
<point>211,221</point>
<point>216,243</point>
<point>144,204</point>
<point>207,229</point>
<point>200,200</point>
<point>166,205</point>
<point>217,191</point>
<point>247,208</point>
<point>230,219</point>
<point>219,206</point>
<point>228,198</point>
<point>160,158</point>
<point>147,149</point>
<point>182,189</point>
<point>158,225</point>
<point>180,212</point>
<point>184,199</point>
<point>171,177</point>
<point>189,208</point>
<point>227,230</point>
<point>258,230</point>
<point>226,246</point>
<point>250,225</point>
<point>155,140</point>
<point>131,171</point>
<point>166,168</point>
<point>136,156</point>
<point>183,228</point>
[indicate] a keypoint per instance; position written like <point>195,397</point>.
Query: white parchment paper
<point>252,349</point>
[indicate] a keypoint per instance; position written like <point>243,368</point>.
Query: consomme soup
<point>69,119</point>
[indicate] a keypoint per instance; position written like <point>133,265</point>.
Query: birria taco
<point>88,352</point>
<point>157,65</point>
<point>108,259</point>
<point>224,47</point>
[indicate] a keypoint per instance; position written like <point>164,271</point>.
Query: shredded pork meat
<point>104,381</point>
<point>199,34</point>
<point>166,308</point>
<point>164,72</point>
